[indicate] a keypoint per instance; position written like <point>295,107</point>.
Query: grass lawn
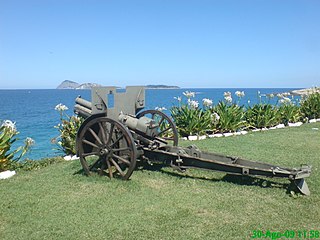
<point>57,203</point>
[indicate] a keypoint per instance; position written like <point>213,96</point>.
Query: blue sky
<point>229,43</point>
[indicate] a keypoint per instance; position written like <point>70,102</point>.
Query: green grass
<point>56,202</point>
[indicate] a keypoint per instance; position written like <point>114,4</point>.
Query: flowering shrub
<point>8,133</point>
<point>231,116</point>
<point>288,111</point>
<point>262,115</point>
<point>226,116</point>
<point>68,129</point>
<point>189,118</point>
<point>265,115</point>
<point>310,106</point>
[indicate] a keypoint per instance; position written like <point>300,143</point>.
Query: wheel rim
<point>107,147</point>
<point>167,129</point>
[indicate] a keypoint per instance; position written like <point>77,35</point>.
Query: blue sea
<point>35,117</point>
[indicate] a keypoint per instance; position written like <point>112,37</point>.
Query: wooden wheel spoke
<point>168,138</point>
<point>95,163</point>
<point>103,167</point>
<point>90,143</point>
<point>103,133</point>
<point>122,159</point>
<point>89,154</point>
<point>117,167</point>
<point>109,169</point>
<point>163,131</point>
<point>162,119</point>
<point>121,149</point>
<point>110,134</point>
<point>85,167</point>
<point>116,141</point>
<point>95,136</point>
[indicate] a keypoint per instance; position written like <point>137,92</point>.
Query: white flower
<point>207,102</point>
<point>215,117</point>
<point>240,94</point>
<point>285,100</point>
<point>29,141</point>
<point>10,125</point>
<point>189,94</point>
<point>227,94</point>
<point>193,103</point>
<point>178,98</point>
<point>228,99</point>
<point>160,109</point>
<point>61,107</point>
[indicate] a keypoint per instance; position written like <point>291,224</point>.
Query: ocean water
<point>35,117</point>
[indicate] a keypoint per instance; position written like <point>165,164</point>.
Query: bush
<point>231,117</point>
<point>8,133</point>
<point>228,116</point>
<point>189,118</point>
<point>262,115</point>
<point>289,113</point>
<point>310,106</point>
<point>68,129</point>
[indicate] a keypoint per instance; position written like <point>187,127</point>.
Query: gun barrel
<point>82,111</point>
<point>83,102</point>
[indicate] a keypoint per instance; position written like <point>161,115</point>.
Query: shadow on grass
<point>80,171</point>
<point>229,178</point>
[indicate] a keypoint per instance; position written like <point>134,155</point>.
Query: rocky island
<point>161,87</point>
<point>68,84</point>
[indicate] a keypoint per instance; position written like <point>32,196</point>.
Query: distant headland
<point>161,87</point>
<point>68,84</point>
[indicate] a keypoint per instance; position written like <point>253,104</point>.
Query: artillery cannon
<point>117,134</point>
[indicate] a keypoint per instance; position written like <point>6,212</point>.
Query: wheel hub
<point>105,151</point>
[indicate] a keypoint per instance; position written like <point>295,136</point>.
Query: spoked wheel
<point>167,129</point>
<point>107,147</point>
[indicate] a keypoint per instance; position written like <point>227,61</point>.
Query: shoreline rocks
<point>305,91</point>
